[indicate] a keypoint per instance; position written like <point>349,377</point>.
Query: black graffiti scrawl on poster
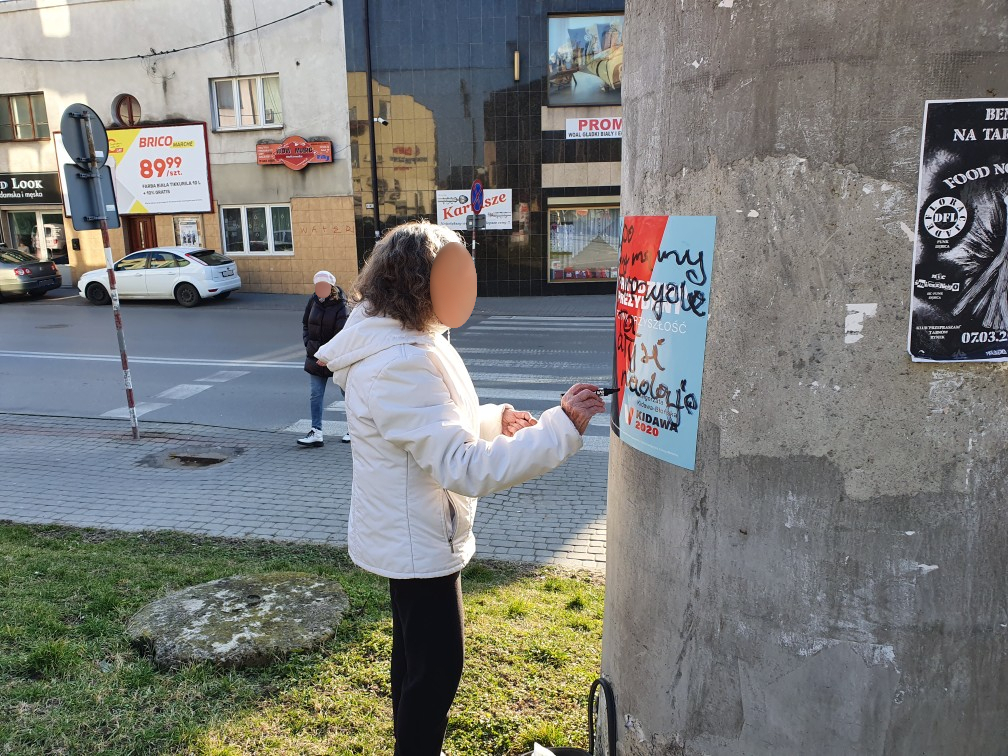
<point>960,273</point>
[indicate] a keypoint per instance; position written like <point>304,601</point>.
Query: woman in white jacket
<point>423,450</point>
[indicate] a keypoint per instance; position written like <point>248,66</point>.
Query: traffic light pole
<point>85,122</point>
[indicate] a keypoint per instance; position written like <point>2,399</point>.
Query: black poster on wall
<point>959,307</point>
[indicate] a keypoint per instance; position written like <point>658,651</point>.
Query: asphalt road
<point>238,363</point>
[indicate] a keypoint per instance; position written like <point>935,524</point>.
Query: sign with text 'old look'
<point>294,152</point>
<point>960,272</point>
<point>29,189</point>
<point>662,298</point>
<point>453,207</point>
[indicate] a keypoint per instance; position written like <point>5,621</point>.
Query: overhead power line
<point>155,53</point>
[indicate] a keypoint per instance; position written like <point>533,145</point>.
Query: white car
<point>186,274</point>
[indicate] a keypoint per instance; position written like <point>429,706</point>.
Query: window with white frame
<point>257,229</point>
<point>246,102</point>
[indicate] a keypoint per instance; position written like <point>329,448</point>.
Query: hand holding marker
<point>581,402</point>
<point>602,392</point>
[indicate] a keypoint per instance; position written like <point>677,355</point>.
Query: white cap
<point>324,276</point>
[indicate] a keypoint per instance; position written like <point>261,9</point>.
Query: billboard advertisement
<point>161,169</point>
<point>585,60</point>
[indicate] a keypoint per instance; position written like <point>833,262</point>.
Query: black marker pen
<point>602,392</point>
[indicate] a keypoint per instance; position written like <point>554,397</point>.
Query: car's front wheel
<point>96,294</point>
<point>187,295</point>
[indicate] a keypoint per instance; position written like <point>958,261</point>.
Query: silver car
<point>20,273</point>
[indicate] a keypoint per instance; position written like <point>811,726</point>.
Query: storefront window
<point>53,238</point>
<point>234,238</point>
<point>584,243</point>
<point>283,236</point>
<point>262,229</point>
<point>38,234</point>
<point>23,231</point>
<point>256,221</point>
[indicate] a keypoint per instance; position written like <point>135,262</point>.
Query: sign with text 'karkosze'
<point>161,169</point>
<point>960,265</point>
<point>453,207</point>
<point>662,304</point>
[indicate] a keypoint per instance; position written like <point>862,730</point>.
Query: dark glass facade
<point>443,74</point>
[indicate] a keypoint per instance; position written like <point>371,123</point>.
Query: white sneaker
<point>314,438</point>
<point>346,438</point>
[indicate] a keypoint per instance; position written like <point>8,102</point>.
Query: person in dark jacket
<point>324,317</point>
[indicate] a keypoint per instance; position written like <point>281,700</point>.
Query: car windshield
<point>15,256</point>
<point>209,257</point>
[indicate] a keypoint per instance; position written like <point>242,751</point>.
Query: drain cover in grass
<point>242,621</point>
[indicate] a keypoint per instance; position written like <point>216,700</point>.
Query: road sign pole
<point>85,124</point>
<point>476,202</point>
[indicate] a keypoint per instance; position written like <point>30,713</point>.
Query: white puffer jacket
<point>423,447</point>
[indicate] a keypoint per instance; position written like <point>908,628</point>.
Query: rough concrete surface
<point>241,621</point>
<point>831,578</point>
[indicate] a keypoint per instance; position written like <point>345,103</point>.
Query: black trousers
<point>427,657</point>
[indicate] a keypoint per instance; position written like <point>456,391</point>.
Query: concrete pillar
<point>832,578</point>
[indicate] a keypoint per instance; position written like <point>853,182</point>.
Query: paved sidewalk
<point>90,473</point>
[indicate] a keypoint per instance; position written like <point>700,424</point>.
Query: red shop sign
<point>294,152</point>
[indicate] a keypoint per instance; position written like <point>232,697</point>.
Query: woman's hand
<point>581,403</point>
<point>513,421</point>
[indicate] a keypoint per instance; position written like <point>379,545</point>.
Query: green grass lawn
<point>70,683</point>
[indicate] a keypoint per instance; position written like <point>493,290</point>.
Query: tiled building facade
<point>495,119</point>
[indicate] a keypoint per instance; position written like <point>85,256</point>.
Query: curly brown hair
<point>395,280</point>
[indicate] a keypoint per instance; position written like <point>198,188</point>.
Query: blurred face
<point>322,290</point>
<point>453,285</point>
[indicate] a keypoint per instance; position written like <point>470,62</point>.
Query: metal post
<point>371,119</point>
<point>95,182</point>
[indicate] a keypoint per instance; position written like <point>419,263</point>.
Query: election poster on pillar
<point>662,304</point>
<point>959,307</point>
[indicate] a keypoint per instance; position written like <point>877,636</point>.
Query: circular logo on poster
<point>945,217</point>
